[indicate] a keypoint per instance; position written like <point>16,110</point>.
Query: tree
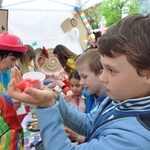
<point>112,11</point>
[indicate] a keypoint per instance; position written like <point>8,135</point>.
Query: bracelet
<point>63,87</point>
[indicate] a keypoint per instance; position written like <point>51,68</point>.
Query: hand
<point>52,76</point>
<point>73,136</point>
<point>68,99</point>
<point>51,85</point>
<point>59,83</point>
<point>43,97</point>
<point>16,103</point>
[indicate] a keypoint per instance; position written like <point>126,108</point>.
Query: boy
<point>121,123</point>
<point>89,67</point>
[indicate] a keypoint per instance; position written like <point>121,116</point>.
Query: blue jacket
<point>91,101</point>
<point>112,126</point>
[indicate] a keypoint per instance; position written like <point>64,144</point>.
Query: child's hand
<point>68,99</point>
<point>43,97</point>
<point>51,85</point>
<point>53,76</point>
<point>59,83</point>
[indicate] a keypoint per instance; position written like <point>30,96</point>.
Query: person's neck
<point>99,93</point>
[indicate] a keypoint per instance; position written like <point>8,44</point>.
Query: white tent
<point>38,22</point>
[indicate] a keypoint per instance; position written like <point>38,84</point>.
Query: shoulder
<point>70,60</point>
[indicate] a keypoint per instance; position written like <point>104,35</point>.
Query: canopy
<point>38,22</point>
<point>48,4</point>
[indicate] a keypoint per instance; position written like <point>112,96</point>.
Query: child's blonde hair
<point>90,57</point>
<point>39,53</point>
<point>26,59</point>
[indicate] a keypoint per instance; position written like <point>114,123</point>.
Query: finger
<point>40,94</point>
<point>23,97</point>
<point>18,75</point>
<point>15,74</point>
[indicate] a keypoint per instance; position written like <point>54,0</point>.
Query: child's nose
<point>81,82</point>
<point>102,77</point>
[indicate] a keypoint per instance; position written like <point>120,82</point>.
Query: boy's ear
<point>148,76</point>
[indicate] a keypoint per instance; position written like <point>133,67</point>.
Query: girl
<point>65,57</point>
<point>41,54</point>
<point>73,95</point>
<point>25,64</point>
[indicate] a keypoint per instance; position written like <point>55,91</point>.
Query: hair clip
<point>45,52</point>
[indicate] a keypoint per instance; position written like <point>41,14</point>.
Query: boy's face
<point>121,79</point>
<point>90,81</point>
<point>7,63</point>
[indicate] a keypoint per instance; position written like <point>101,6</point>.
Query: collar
<point>133,104</point>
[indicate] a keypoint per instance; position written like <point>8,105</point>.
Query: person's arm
<point>108,136</point>
<point>49,74</point>
<point>62,85</point>
<point>78,121</point>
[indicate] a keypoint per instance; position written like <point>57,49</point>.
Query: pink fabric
<point>78,102</point>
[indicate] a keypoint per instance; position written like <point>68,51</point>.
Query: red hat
<point>11,42</point>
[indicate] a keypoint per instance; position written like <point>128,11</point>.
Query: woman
<point>11,49</point>
<point>65,57</point>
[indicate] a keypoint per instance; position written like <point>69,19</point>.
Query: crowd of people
<point>104,96</point>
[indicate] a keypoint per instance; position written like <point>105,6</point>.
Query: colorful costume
<point>11,132</point>
<point>4,80</point>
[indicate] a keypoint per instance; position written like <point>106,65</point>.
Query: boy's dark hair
<point>4,54</point>
<point>92,58</point>
<point>74,75</point>
<point>129,37</point>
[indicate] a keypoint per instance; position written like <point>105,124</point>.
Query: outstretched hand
<point>43,97</point>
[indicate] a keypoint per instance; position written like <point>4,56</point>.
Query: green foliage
<point>113,10</point>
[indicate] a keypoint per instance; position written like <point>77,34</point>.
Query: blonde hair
<point>91,58</point>
<point>39,53</point>
<point>25,61</point>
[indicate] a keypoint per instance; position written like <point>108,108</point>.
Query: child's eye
<point>71,85</point>
<point>111,71</point>
<point>84,77</point>
<point>78,85</point>
<point>13,59</point>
